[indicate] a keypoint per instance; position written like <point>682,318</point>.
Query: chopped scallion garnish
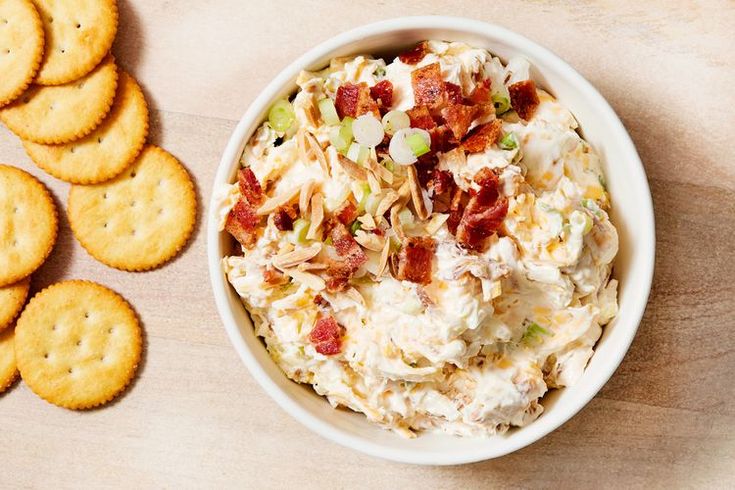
<point>388,163</point>
<point>281,116</point>
<point>355,226</point>
<point>509,142</point>
<point>501,103</point>
<point>328,111</point>
<point>300,229</point>
<point>379,72</point>
<point>534,331</point>
<point>358,153</point>
<point>418,145</point>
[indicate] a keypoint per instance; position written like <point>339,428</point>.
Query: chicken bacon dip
<point>425,241</point>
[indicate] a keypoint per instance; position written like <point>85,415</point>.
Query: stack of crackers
<point>131,205</point>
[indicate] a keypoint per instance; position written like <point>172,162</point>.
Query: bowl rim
<point>644,238</point>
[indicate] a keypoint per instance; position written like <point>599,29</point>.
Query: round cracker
<point>28,224</point>
<point>12,299</point>
<point>8,367</point>
<point>77,344</point>
<point>141,218</point>
<point>21,47</point>
<point>106,151</point>
<point>79,33</point>
<point>65,112</point>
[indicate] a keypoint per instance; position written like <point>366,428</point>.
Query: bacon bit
<point>414,260</point>
<point>347,213</point>
<point>283,218</point>
<point>454,93</point>
<point>483,136</point>
<point>355,100</point>
<point>416,54</point>
<point>250,188</point>
<point>242,223</point>
<point>455,210</point>
<point>273,277</point>
<point>484,213</point>
<point>441,182</point>
<point>458,118</point>
<point>382,93</point>
<point>350,257</point>
<point>481,93</point>
<point>441,139</point>
<point>421,118</point>
<point>523,98</point>
<point>327,336</point>
<point>320,301</point>
<point>428,86</point>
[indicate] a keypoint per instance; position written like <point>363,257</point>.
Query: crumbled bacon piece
<point>481,93</point>
<point>415,258</point>
<point>484,213</point>
<point>327,336</point>
<point>454,93</point>
<point>458,118</point>
<point>349,258</point>
<point>274,277</point>
<point>355,100</point>
<point>523,98</point>
<point>441,139</point>
<point>250,187</point>
<point>347,213</point>
<point>382,93</point>
<point>242,223</point>
<point>284,217</point>
<point>455,210</point>
<point>428,86</point>
<point>415,54</point>
<point>421,118</point>
<point>483,136</point>
<point>441,182</point>
<point>320,301</point>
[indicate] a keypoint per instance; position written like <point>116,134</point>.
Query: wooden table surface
<point>196,418</point>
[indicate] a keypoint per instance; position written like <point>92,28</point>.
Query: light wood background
<point>196,418</point>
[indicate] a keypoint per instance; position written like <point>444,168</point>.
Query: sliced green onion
<point>534,331</point>
<point>509,142</point>
<point>338,140</point>
<point>356,225</point>
<point>379,72</point>
<point>328,111</point>
<point>347,127</point>
<point>281,116</point>
<point>418,145</point>
<point>388,163</point>
<point>363,200</point>
<point>368,131</point>
<point>300,229</point>
<point>358,153</point>
<point>501,103</point>
<point>394,121</point>
<point>588,223</point>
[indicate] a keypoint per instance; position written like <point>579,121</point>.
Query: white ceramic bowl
<point>632,214</point>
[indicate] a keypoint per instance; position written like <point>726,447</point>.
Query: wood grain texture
<point>196,418</point>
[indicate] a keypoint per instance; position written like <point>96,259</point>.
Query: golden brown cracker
<point>141,218</point>
<point>79,33</point>
<point>28,224</point>
<point>21,47</point>
<point>8,367</point>
<point>106,151</point>
<point>53,115</point>
<point>77,344</point>
<point>12,299</point>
